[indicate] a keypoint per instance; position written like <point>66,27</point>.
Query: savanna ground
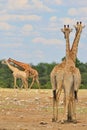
<point>32,110</point>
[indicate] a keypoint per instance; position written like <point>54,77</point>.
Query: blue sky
<point>30,30</point>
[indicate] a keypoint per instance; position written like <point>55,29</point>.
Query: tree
<point>44,70</point>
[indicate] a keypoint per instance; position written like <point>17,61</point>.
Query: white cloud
<point>6,26</point>
<point>30,17</point>
<point>39,54</point>
<point>52,25</point>
<point>53,18</point>
<point>27,27</point>
<point>3,11</point>
<point>72,11</point>
<point>78,11</point>
<point>4,17</point>
<point>47,41</point>
<point>27,30</point>
<point>17,4</point>
<point>51,28</point>
<point>10,45</point>
<point>39,5</point>
<point>34,5</point>
<point>22,54</point>
<point>57,2</point>
<point>14,17</point>
<point>66,20</point>
<point>76,3</point>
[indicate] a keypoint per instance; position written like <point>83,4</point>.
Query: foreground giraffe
<point>32,73</point>
<point>17,74</point>
<point>58,71</point>
<point>59,76</point>
<point>70,88</point>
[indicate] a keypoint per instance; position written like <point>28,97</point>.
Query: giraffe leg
<point>73,107</point>
<point>26,84</point>
<point>56,96</point>
<point>15,84</point>
<point>75,94</point>
<point>70,107</point>
<point>54,102</point>
<point>74,110</point>
<point>32,83</point>
<point>38,82</point>
<point>64,104</point>
<point>22,84</point>
<point>69,116</point>
<point>65,110</point>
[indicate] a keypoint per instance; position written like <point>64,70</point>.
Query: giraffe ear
<point>83,26</point>
<point>68,26</point>
<point>74,26</point>
<point>3,61</point>
<point>71,30</point>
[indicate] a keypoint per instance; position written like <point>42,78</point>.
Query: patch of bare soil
<point>32,110</point>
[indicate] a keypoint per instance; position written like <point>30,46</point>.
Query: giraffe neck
<point>74,49</point>
<point>67,48</point>
<point>22,65</point>
<point>16,62</point>
<point>10,67</point>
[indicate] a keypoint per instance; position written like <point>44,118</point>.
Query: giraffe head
<point>9,60</point>
<point>66,30</point>
<point>4,61</point>
<point>79,27</point>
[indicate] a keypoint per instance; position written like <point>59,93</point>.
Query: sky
<point>30,30</point>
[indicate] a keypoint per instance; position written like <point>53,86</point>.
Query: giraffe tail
<point>75,95</point>
<point>54,94</point>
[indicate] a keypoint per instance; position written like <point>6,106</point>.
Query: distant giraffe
<point>17,74</point>
<point>32,73</point>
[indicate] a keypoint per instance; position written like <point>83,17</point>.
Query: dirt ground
<point>32,110</point>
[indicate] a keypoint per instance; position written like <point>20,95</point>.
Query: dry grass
<point>32,110</point>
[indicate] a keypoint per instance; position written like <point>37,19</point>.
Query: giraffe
<point>17,74</point>
<point>70,108</point>
<point>73,55</point>
<point>58,71</point>
<point>32,73</point>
